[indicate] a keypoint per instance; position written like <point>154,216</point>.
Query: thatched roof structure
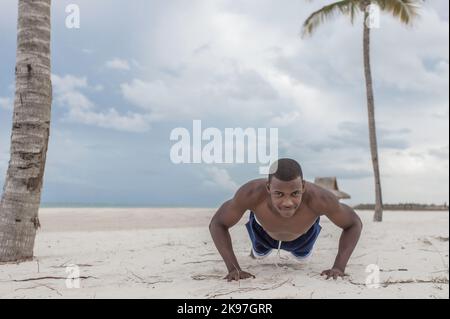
<point>330,183</point>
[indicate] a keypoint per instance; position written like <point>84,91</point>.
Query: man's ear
<point>268,187</point>
<point>303,186</point>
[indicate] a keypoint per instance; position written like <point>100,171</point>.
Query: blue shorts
<point>263,244</point>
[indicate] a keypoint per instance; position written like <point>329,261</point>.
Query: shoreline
<point>112,219</point>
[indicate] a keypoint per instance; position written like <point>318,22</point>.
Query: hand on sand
<point>237,275</point>
<point>333,273</point>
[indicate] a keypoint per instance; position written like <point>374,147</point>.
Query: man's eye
<point>297,193</point>
<point>278,194</point>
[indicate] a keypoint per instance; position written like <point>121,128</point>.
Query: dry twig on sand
<point>224,292</point>
<point>34,287</point>
<point>51,277</point>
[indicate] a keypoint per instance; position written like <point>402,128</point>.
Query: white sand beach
<point>168,253</point>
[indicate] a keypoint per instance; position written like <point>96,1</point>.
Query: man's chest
<point>285,228</point>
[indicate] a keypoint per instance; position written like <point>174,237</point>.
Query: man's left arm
<point>344,217</point>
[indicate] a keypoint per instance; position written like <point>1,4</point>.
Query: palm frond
<point>345,7</point>
<point>404,10</point>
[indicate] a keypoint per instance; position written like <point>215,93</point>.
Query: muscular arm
<point>346,218</point>
<point>226,217</point>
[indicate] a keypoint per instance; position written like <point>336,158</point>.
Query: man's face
<point>286,197</point>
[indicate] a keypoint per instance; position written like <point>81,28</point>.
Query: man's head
<point>286,186</point>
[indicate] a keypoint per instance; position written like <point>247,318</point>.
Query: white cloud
<point>414,171</point>
<point>231,92</point>
<point>131,122</point>
<point>285,119</point>
<point>118,64</point>
<point>219,177</point>
<point>67,91</point>
<point>233,74</point>
<point>425,69</point>
<point>6,103</point>
<point>230,62</point>
<point>68,83</point>
<point>87,51</point>
<point>441,7</point>
<point>148,95</point>
<point>318,82</point>
<point>98,88</point>
<point>82,110</point>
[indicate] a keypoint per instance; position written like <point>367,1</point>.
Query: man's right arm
<point>226,217</point>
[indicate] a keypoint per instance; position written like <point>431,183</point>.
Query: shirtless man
<point>285,214</point>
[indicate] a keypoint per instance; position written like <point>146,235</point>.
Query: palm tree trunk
<point>378,216</point>
<point>30,132</point>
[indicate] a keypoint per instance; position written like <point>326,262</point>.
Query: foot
<point>256,256</point>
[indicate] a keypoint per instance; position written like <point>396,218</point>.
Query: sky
<point>136,70</point>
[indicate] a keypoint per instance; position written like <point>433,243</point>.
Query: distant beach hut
<point>330,183</point>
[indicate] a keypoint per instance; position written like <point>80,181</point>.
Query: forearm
<point>222,240</point>
<point>347,244</point>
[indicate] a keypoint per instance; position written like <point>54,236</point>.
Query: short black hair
<point>286,170</point>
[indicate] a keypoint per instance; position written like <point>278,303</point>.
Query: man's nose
<point>288,203</point>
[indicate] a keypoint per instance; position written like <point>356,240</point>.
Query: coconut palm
<point>30,132</point>
<point>405,11</point>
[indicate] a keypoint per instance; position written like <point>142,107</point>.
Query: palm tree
<point>30,132</point>
<point>405,11</point>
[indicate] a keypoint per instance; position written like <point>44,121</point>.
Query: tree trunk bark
<point>30,132</point>
<point>378,216</point>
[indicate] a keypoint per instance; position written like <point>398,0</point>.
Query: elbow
<point>213,225</point>
<point>358,223</point>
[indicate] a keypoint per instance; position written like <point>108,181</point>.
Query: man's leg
<point>302,259</point>
<point>301,248</point>
<point>260,248</point>
<point>256,255</point>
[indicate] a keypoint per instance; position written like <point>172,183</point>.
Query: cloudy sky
<point>135,70</point>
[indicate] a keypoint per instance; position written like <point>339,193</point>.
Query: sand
<point>168,253</point>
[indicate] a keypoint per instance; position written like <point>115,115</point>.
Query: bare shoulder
<point>251,194</point>
<point>319,199</point>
